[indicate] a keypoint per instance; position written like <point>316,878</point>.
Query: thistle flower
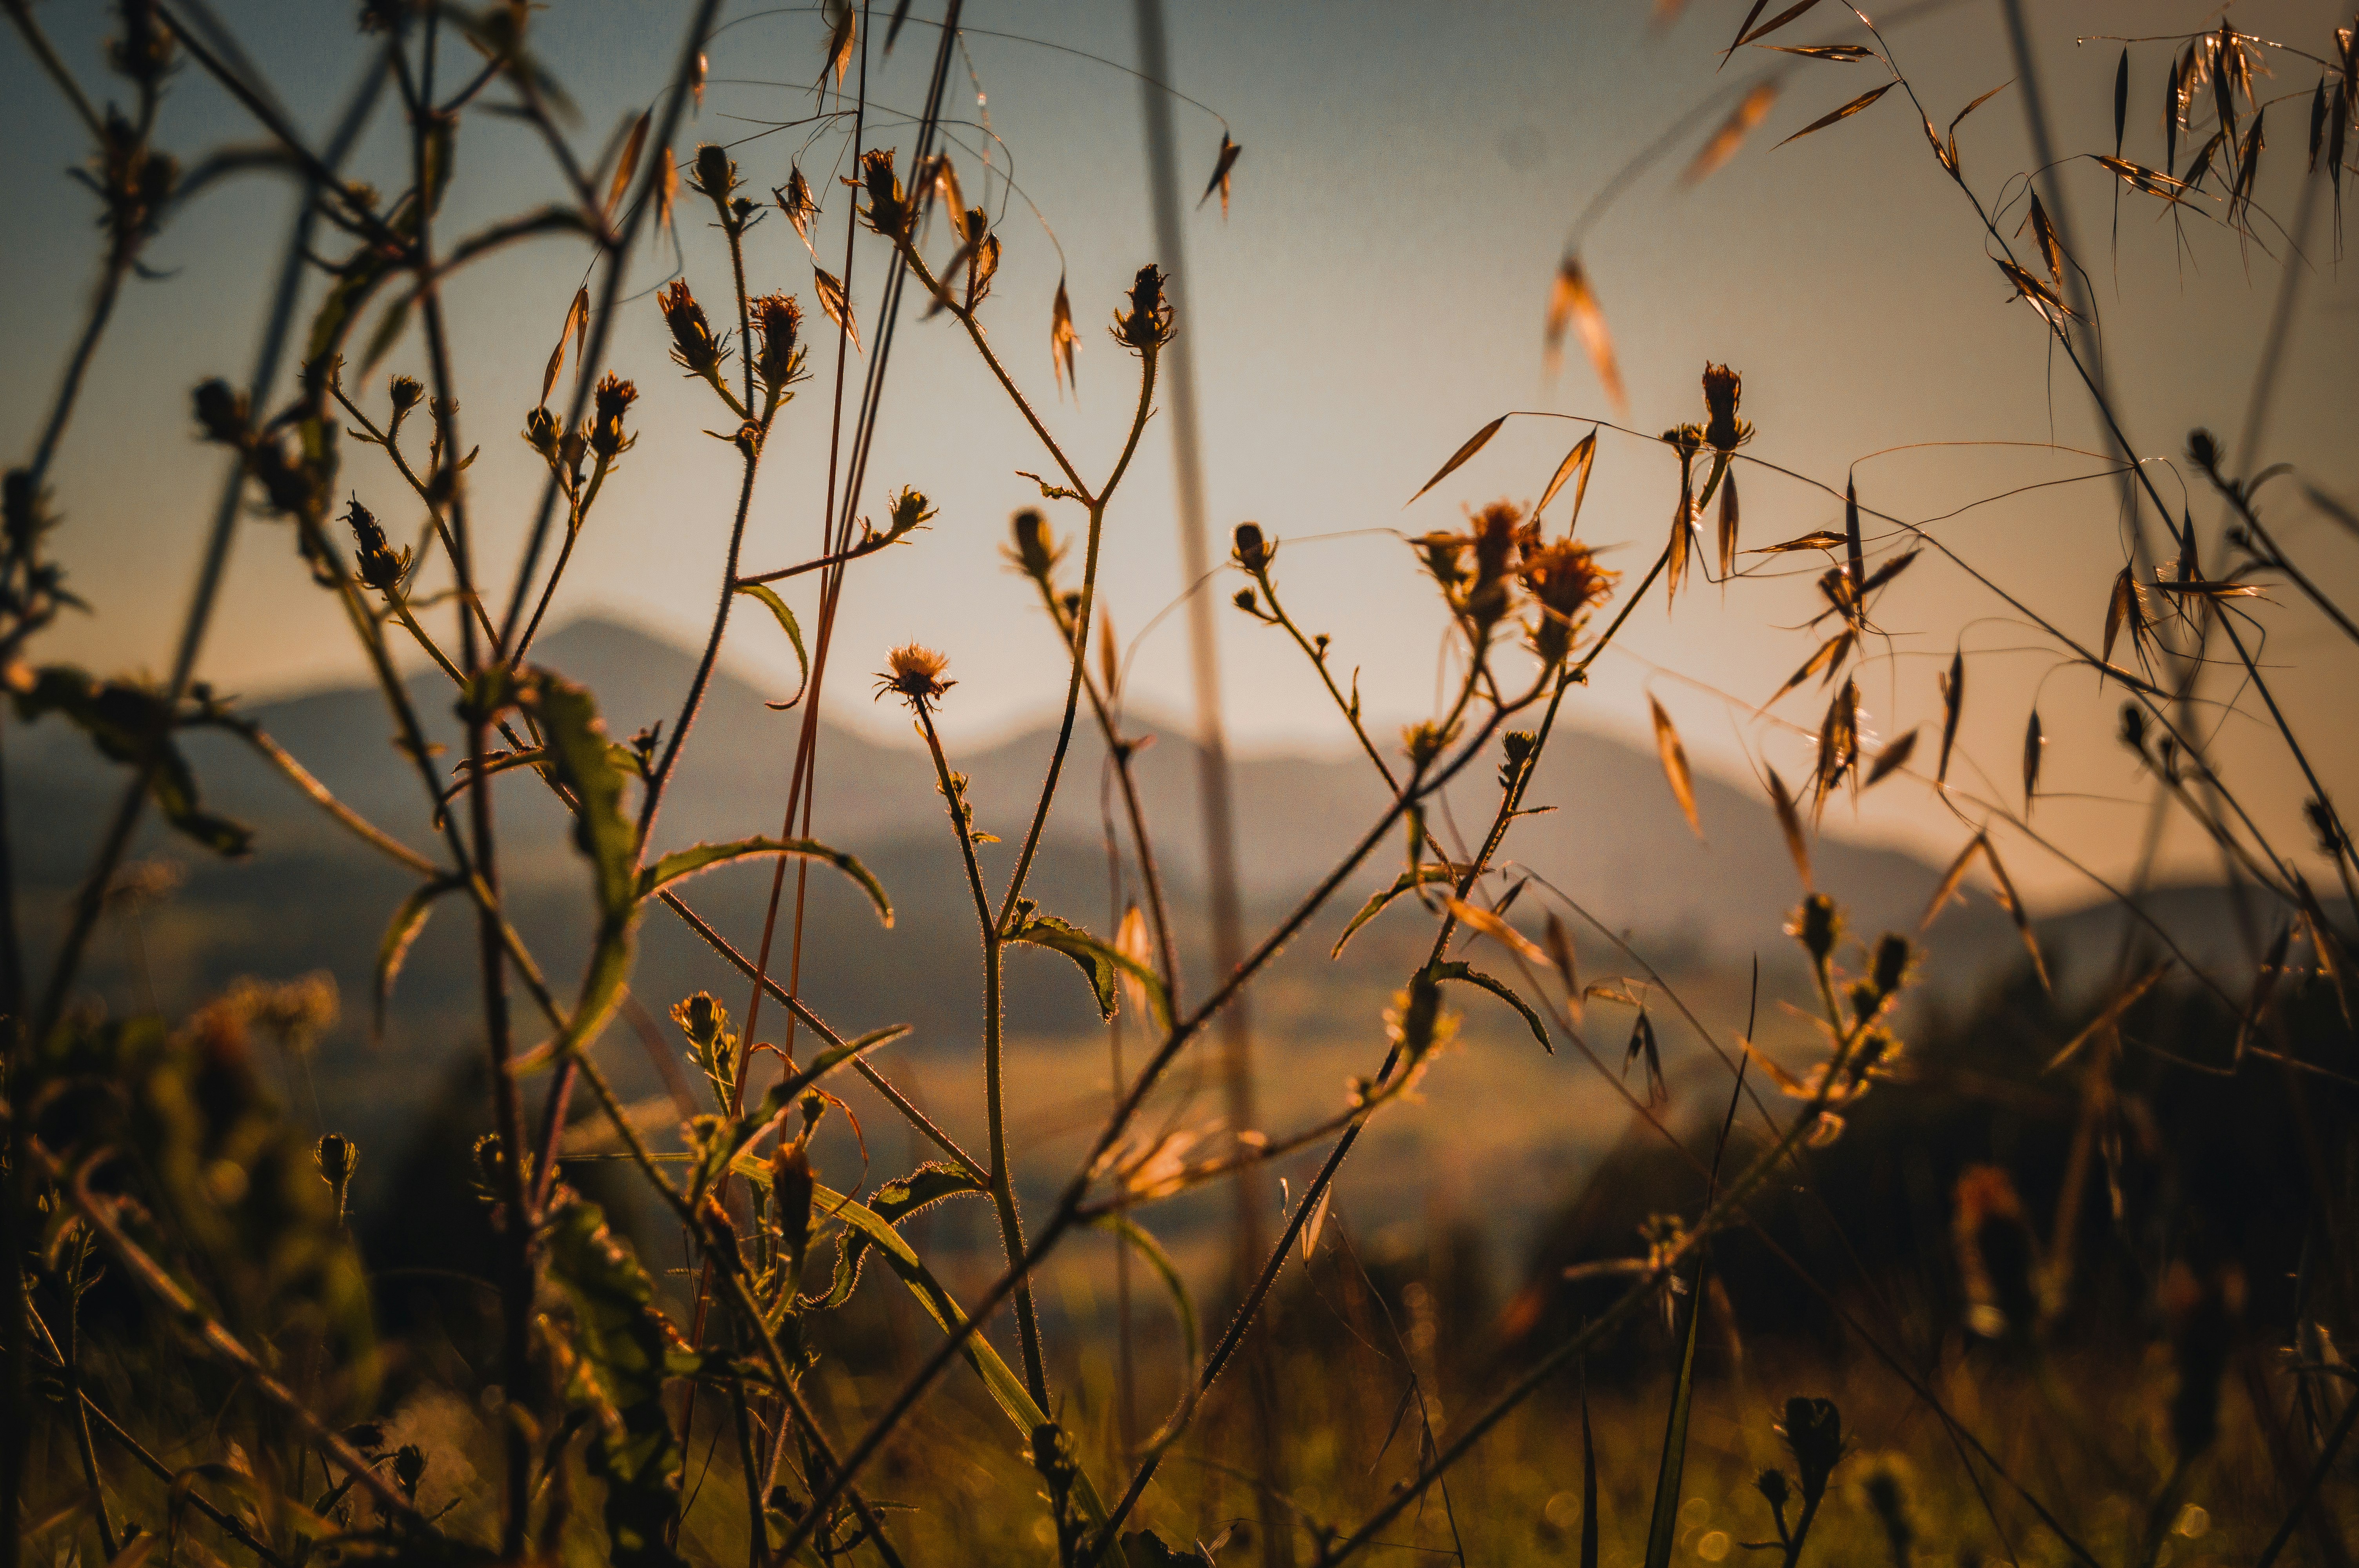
<point>1723,387</point>
<point>614,397</point>
<point>779,319</point>
<point>381,566</point>
<point>914,673</point>
<point>889,209</point>
<point>694,347</point>
<point>1147,324</point>
<point>1565,579</point>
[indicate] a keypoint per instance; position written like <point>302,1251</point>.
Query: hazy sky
<point>1375,294</point>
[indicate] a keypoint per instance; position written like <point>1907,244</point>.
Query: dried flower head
<point>694,347</point>
<point>1723,388</point>
<point>381,566</point>
<point>914,673</point>
<point>1147,324</point>
<point>614,396</point>
<point>889,210</point>
<point>779,319</point>
<point>406,392</point>
<point>541,432</point>
<point>1565,580</point>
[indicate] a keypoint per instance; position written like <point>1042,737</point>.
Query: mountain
<point>311,896</point>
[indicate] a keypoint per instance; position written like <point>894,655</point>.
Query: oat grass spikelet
<point>914,673</point>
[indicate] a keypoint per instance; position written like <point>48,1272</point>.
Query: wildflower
<point>779,319</point>
<point>1819,924</point>
<point>1036,551</point>
<point>1723,387</point>
<point>909,510</point>
<point>406,392</point>
<point>694,347</point>
<point>222,412</point>
<point>336,1157</point>
<point>914,673</point>
<point>541,433</point>
<point>1425,740</point>
<point>381,566</point>
<point>614,397</point>
<point>1565,579</point>
<point>716,174</point>
<point>1253,551</point>
<point>1493,540</point>
<point>1147,325</point>
<point>1814,1431</point>
<point>889,209</point>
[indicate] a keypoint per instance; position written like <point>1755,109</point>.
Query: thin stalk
<point>995,1081</point>
<point>69,1363</point>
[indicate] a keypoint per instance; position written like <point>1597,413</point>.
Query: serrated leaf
<point>1845,113</point>
<point>688,862</point>
<point>1474,444</point>
<point>1103,965</point>
<point>1456,970</point>
<point>1675,765</point>
<point>1749,113</point>
<point>793,629</point>
<point>626,1349</point>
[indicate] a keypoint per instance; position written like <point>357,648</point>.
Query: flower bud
<point>889,210</point>
<point>715,175</point>
<point>222,412</point>
<point>1252,552</point>
<point>2203,449</point>
<point>1814,1431</point>
<point>792,1183</point>
<point>1147,324</point>
<point>1723,388</point>
<point>909,510</point>
<point>405,392</point>
<point>1036,550</point>
<point>409,1468</point>
<point>778,318</point>
<point>694,347</point>
<point>337,1157</point>
<point>1892,958</point>
<point>1818,923</point>
<point>540,432</point>
<point>380,565</point>
<point>614,397</point>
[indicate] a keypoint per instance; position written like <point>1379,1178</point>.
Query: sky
<point>1373,295</point>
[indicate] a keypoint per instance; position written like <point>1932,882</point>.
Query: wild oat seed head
<point>915,673</point>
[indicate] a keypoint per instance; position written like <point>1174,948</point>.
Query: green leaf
<point>1663,1532</point>
<point>1456,970</point>
<point>1147,1247</point>
<point>1375,905</point>
<point>782,1095</point>
<point>627,1350</point>
<point>764,592</point>
<point>1101,963</point>
<point>698,857</point>
<point>895,1201</point>
<point>393,947</point>
<point>578,756</point>
<point>131,724</point>
<point>1005,1387</point>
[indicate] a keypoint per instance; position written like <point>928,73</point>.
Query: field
<point>617,947</point>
